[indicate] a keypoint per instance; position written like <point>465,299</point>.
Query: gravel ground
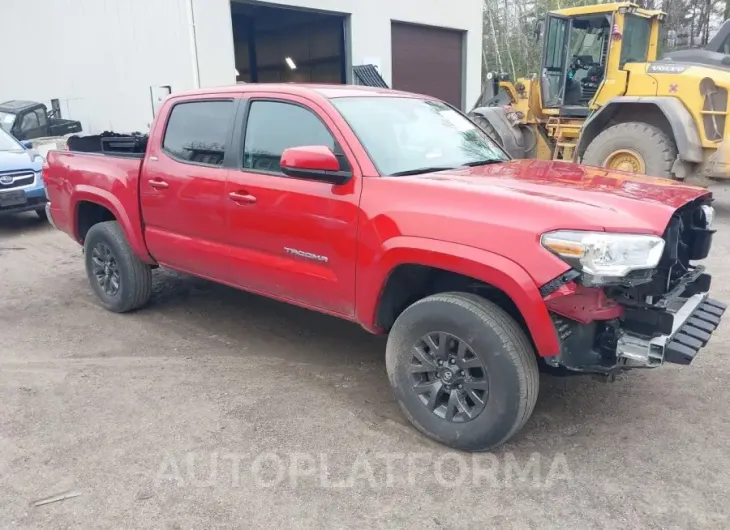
<point>215,408</point>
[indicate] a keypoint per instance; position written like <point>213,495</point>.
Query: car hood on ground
<point>612,200</point>
<point>20,159</point>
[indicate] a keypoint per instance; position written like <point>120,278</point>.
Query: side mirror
<point>539,25</point>
<point>314,162</point>
<point>27,144</point>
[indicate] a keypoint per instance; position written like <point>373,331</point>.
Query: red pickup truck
<point>395,211</point>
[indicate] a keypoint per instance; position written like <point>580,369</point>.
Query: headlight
<point>605,254</point>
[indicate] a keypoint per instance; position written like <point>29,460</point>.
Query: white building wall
<point>100,57</point>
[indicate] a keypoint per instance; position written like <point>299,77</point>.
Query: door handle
<point>242,197</point>
<point>158,184</point>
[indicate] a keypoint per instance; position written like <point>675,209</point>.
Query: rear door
<point>293,238</point>
<point>182,187</point>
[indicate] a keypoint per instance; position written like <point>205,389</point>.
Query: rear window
<point>635,40</point>
<point>197,132</point>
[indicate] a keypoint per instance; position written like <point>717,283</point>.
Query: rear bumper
<point>33,203</point>
<point>694,323</point>
<point>50,215</point>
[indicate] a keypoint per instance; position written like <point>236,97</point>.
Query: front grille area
<point>9,181</point>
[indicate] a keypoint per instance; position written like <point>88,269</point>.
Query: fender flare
<point>132,231</point>
<point>684,129</point>
<point>482,265</point>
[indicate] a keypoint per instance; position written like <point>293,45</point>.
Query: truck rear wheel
<point>635,147</point>
<point>120,280</point>
<point>462,370</point>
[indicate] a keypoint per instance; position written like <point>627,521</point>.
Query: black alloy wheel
<point>120,280</point>
<point>105,268</point>
<point>448,378</point>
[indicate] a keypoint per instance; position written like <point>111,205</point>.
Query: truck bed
<point>110,143</point>
<point>60,126</point>
<point>113,181</point>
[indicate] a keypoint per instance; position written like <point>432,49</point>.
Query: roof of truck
<point>16,105</point>
<point>328,91</point>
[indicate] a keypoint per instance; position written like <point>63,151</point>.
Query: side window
<point>554,63</point>
<point>42,121</point>
<point>197,132</point>
<point>273,127</point>
<point>29,122</point>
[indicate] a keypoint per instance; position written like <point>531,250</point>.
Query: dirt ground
<point>215,408</point>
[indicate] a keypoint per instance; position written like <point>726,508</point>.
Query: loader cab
<point>575,59</point>
<point>585,46</point>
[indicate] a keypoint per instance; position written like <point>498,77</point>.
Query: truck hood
<point>562,194</point>
<point>20,159</point>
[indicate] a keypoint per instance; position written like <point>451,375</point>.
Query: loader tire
<point>487,127</point>
<point>635,147</point>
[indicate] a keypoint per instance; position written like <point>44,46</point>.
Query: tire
<point>134,277</point>
<point>495,339</point>
<point>42,214</point>
<point>487,127</point>
<point>655,147</point>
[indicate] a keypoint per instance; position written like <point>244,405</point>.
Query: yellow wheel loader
<point>604,99</point>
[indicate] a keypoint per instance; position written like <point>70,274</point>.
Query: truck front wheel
<point>120,280</point>
<point>462,370</point>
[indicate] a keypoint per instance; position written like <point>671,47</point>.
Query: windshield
<point>8,143</point>
<point>635,40</point>
<point>409,135</point>
<point>6,120</point>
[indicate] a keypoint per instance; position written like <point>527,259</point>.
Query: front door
<point>292,238</point>
<point>182,189</point>
<point>555,61</point>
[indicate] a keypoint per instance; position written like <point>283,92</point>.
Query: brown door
<point>428,60</point>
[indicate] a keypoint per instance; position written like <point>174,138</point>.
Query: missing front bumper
<point>694,322</point>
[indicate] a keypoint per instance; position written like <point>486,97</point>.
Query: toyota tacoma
<point>395,211</point>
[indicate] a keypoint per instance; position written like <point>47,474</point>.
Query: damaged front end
<point>633,301</point>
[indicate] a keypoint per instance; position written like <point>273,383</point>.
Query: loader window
<point>635,40</point>
<point>554,61</point>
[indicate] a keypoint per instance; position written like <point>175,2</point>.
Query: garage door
<point>428,60</point>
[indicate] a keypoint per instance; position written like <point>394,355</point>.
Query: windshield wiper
<point>484,162</point>
<point>419,171</point>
